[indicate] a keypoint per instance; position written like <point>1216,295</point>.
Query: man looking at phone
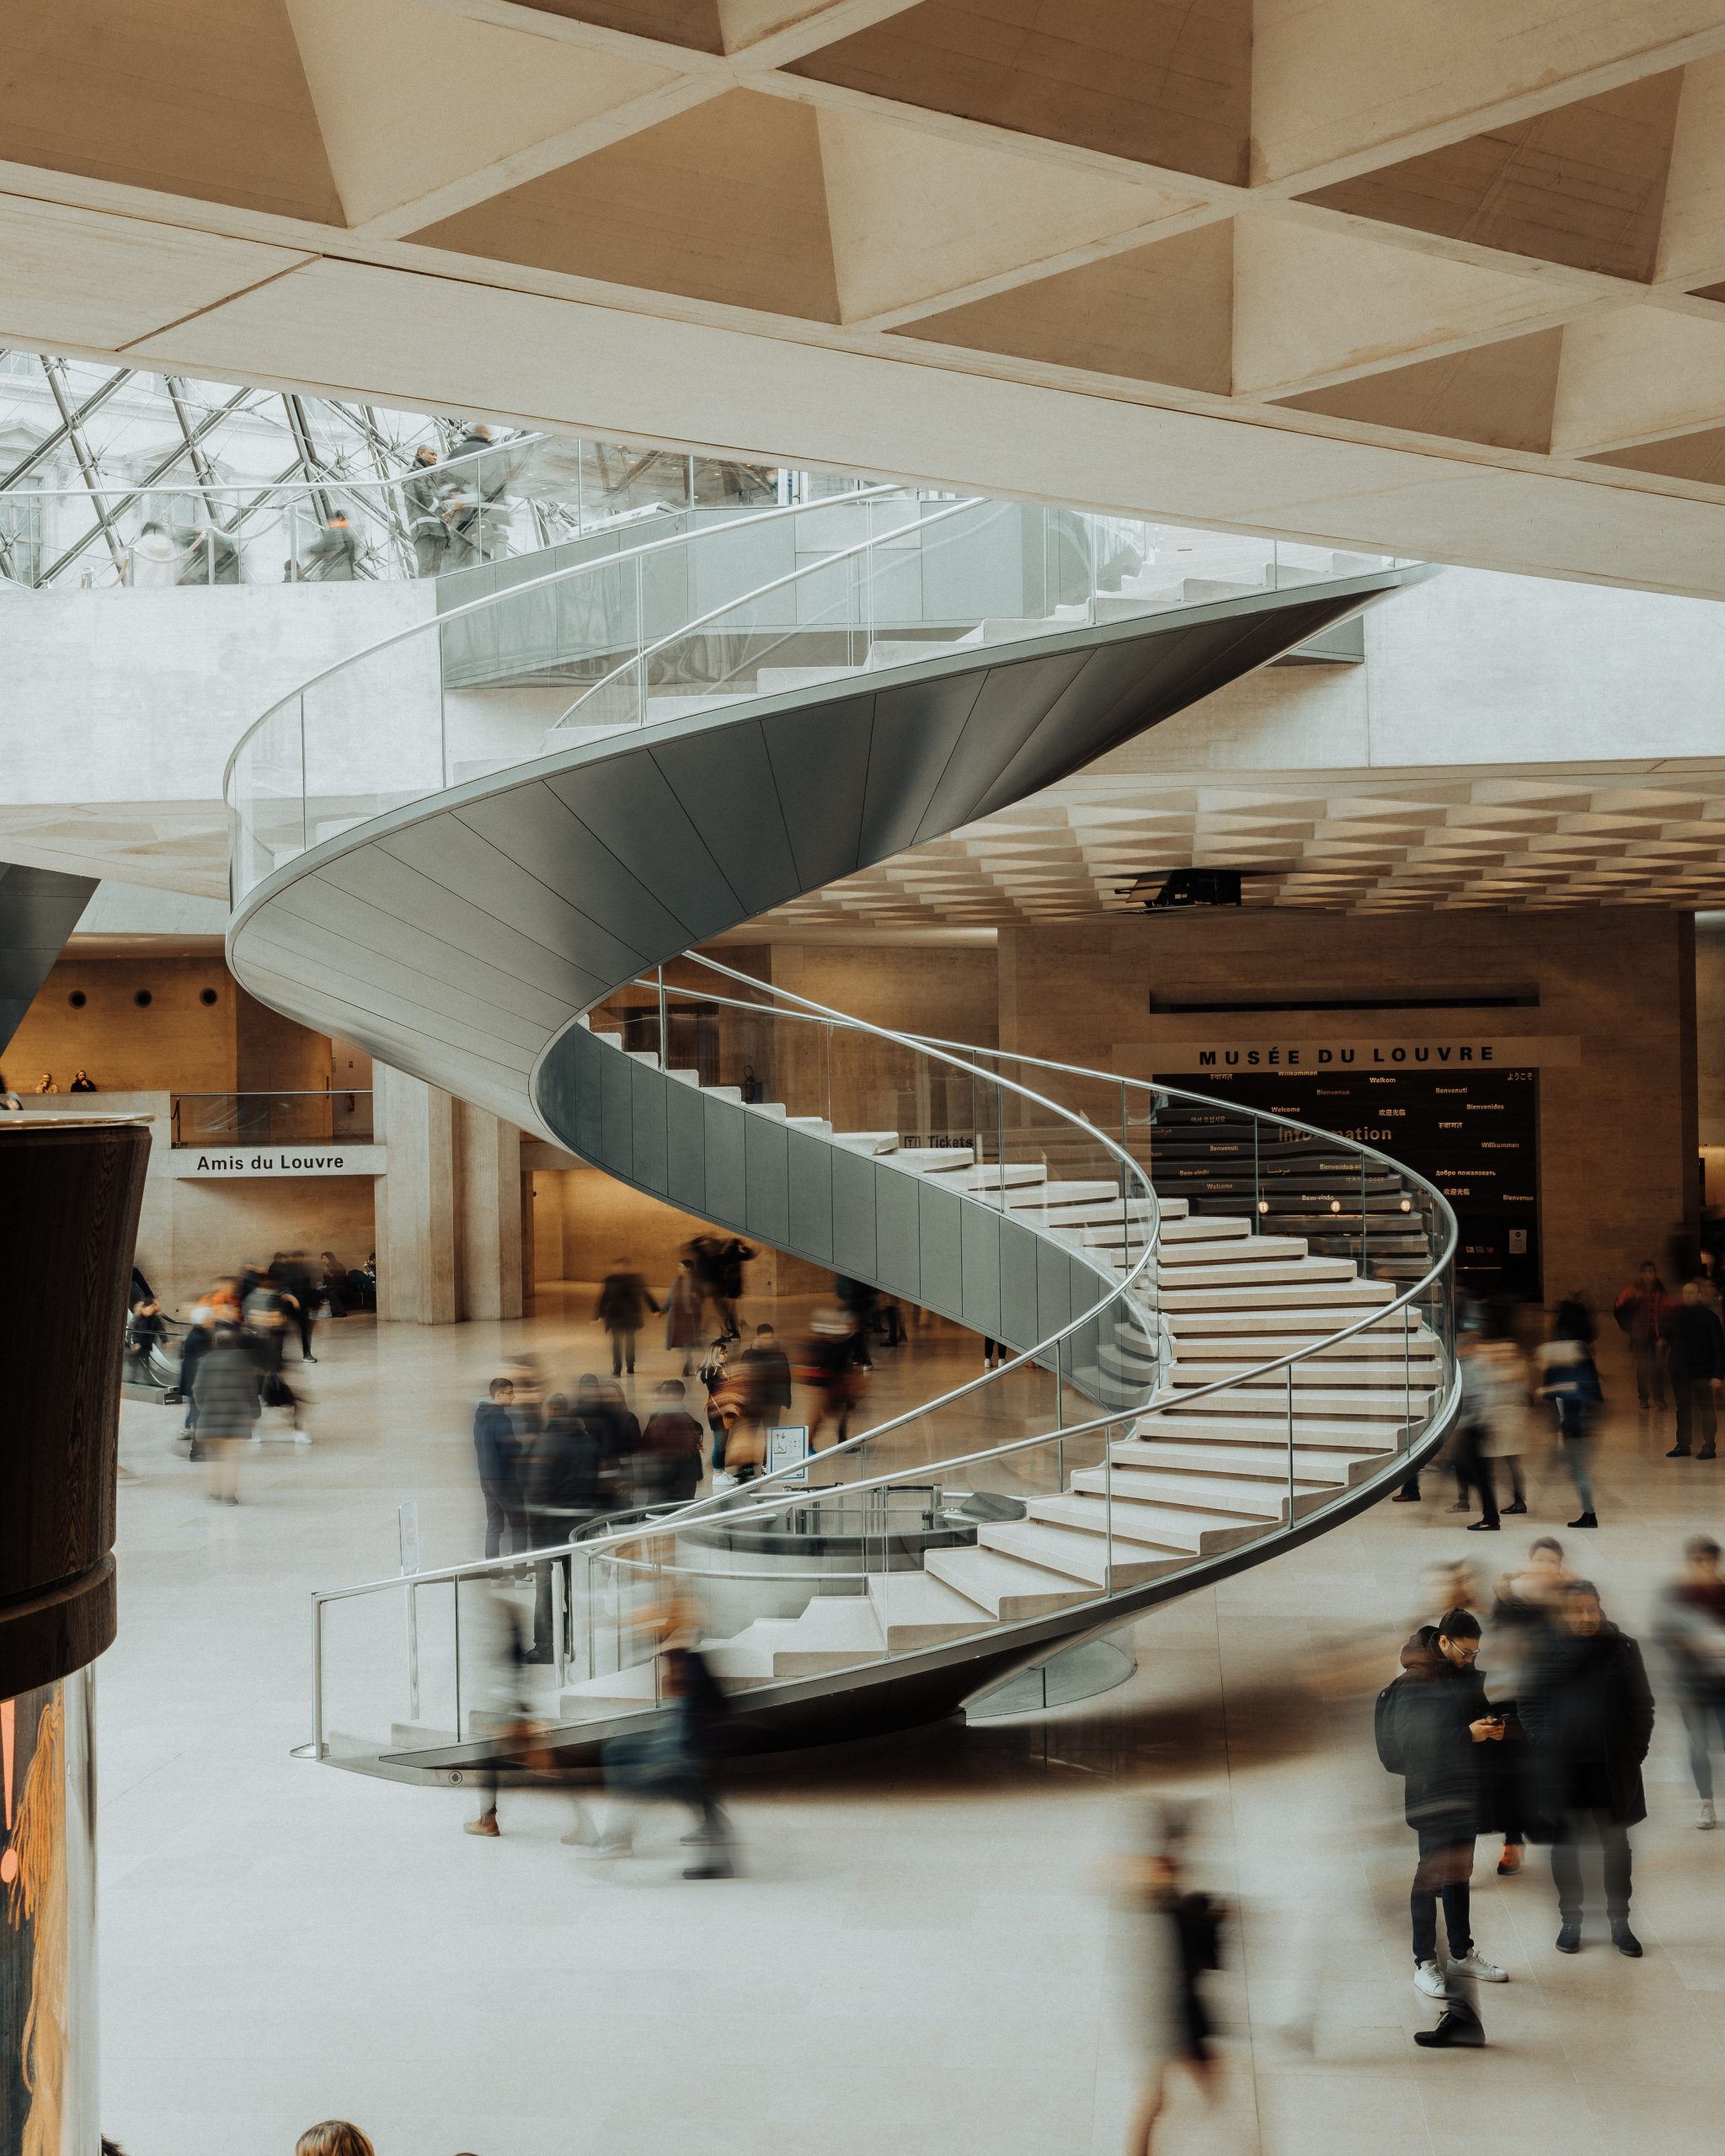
<point>1433,1724</point>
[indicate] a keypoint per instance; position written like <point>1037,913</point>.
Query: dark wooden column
<point>69,1198</point>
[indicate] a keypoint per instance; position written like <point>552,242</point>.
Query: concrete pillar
<point>418,1255</point>
<point>449,1211</point>
<point>489,1198</point>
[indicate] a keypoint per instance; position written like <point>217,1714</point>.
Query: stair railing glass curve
<point>609,1596</point>
<point>754,604</point>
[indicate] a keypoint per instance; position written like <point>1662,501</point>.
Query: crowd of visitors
<point>1528,1712</point>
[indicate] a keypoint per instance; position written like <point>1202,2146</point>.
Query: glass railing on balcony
<point>693,621</point>
<point>285,1118</point>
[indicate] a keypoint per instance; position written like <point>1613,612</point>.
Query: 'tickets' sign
<point>224,1163</point>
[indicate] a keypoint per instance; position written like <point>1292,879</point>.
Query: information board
<point>787,1446</point>
<point>1475,1134</point>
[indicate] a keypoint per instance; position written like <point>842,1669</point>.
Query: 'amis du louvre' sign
<point>1533,1052</point>
<point>225,1163</point>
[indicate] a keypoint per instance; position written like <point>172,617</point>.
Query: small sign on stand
<point>788,1447</point>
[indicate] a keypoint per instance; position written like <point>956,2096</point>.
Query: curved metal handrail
<point>815,1014</point>
<point>517,592</point>
<point>761,591</point>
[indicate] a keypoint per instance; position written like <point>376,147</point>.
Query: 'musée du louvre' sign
<point>1314,1056</point>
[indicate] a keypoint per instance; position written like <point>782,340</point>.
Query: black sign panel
<point>1475,1134</point>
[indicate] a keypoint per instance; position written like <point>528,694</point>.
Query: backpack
<point>1384,1729</point>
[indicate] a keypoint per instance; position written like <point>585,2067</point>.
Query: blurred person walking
<point>1588,1714</point>
<point>1638,1310</point>
<point>768,1370</point>
<point>1568,1379</point>
<point>422,498</point>
<point>293,1281</point>
<point>1503,1398</point>
<point>624,1301</point>
<point>1175,1943</point>
<point>268,1315</point>
<point>730,1257</point>
<point>828,1363</point>
<point>1694,1363</point>
<point>228,1404</point>
<point>1431,1724</point>
<point>333,557</point>
<point>1691,1630</point>
<point>568,1478</point>
<point>498,1449</point>
<point>683,1302</point>
<point>678,1759</point>
<point>672,1448</point>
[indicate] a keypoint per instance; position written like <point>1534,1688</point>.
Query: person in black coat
<point>624,1300</point>
<point>567,1486</point>
<point>1694,1363</point>
<point>1433,1722</point>
<point>766,1369</point>
<point>498,1449</point>
<point>1588,1710</point>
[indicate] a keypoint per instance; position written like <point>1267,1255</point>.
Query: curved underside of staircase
<point>463,939</point>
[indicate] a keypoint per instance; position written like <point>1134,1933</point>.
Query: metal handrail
<point>331,483</point>
<point>514,591</point>
<point>749,598</point>
<point>819,1014</point>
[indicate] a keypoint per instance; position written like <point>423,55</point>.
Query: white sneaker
<point>1428,1977</point>
<point>1474,1964</point>
<point>1704,1818</point>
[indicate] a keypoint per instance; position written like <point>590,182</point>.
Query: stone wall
<point>1617,1124</point>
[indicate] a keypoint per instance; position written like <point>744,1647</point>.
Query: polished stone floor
<point>922,1956</point>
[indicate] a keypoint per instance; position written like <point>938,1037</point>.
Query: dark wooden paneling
<point>69,1199</point>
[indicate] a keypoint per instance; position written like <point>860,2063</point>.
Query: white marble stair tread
<point>632,1687</point>
<point>1070,1551</point>
<point>1261,1495</point>
<point>1198,1331</point>
<point>834,1632</point>
<point>1161,1527</point>
<point>868,1141</point>
<point>1203,1227</point>
<point>1038,1195</point>
<point>918,1609</point>
<point>1178,1254</point>
<point>1227,1458</point>
<point>1274,1269</point>
<point>816,1126</point>
<point>1376,1403</point>
<point>1005,1587</point>
<point>773,1109</point>
<point>734,1093</point>
<point>1263,1429</point>
<point>1332,1372</point>
<point>993,1175</point>
<point>1355,1296</point>
<point>686,1077</point>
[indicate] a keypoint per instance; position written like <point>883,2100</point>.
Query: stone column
<point>488,1185</point>
<point>418,1252</point>
<point>449,1211</point>
<point>69,1198</point>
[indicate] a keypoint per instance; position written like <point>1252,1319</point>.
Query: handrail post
<point>1107,1491</point>
<point>317,1676</point>
<point>664,1037</point>
<point>1291,1447</point>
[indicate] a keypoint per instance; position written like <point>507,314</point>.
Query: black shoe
<point>1710,1453</point>
<point>1678,1451</point>
<point>1405,1498</point>
<point>1460,2029</point>
<point>715,1867</point>
<point>1569,1936</point>
<point>536,1657</point>
<point>1587,1519</point>
<point>1624,1941</point>
<point>1519,1506</point>
<point>1483,1526</point>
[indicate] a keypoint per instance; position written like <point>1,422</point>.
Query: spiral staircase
<point>1226,1331</point>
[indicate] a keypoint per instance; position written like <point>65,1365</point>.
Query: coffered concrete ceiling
<point>1445,281</point>
<point>1362,841</point>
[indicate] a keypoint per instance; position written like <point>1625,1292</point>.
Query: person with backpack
<point>1432,1725</point>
